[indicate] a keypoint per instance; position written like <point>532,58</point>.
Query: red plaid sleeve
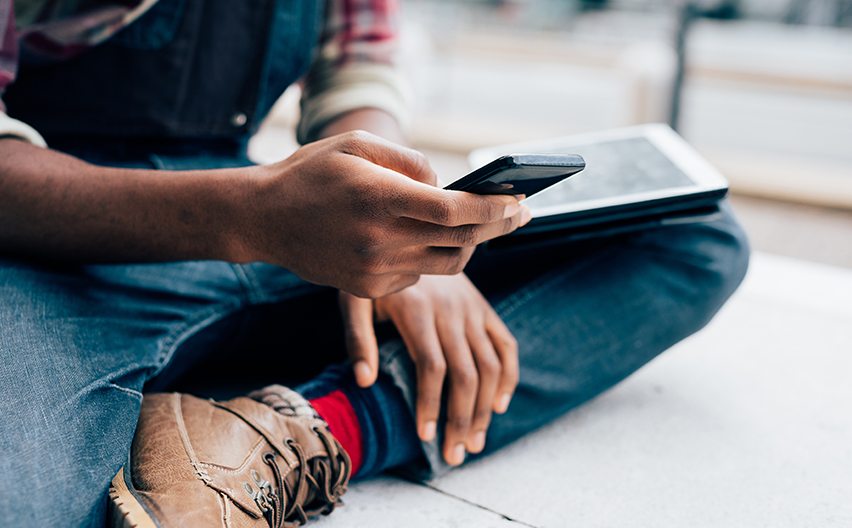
<point>361,31</point>
<point>8,47</point>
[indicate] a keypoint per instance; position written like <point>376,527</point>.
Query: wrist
<point>228,200</point>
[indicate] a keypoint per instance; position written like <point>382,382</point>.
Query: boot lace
<point>287,506</point>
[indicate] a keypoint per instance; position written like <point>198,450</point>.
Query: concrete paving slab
<point>386,502</point>
<point>748,423</point>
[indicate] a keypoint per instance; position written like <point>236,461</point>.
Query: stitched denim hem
<point>395,362</point>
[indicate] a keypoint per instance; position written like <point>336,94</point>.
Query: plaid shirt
<point>354,68</point>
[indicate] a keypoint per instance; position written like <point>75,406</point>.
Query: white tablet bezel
<point>704,176</point>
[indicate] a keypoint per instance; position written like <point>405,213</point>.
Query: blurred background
<point>762,88</point>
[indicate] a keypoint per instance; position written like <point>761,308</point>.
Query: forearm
<point>352,211</point>
<point>55,206</point>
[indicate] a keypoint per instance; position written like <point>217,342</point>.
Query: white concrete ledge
<point>748,423</point>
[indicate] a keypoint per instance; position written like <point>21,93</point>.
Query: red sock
<point>338,413</point>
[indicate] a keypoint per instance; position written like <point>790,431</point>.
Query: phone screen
<point>524,174</point>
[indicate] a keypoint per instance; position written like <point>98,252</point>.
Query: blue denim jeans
<point>80,344</point>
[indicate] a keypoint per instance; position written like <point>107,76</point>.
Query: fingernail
<point>526,215</point>
<point>458,455</point>
<point>363,373</point>
<point>427,432</point>
<point>503,404</point>
<point>478,441</point>
<point>511,210</point>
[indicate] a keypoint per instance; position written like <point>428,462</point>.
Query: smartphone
<point>524,174</point>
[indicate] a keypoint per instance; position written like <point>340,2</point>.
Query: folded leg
<point>587,316</point>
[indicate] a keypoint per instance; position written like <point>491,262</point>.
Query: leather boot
<point>239,463</point>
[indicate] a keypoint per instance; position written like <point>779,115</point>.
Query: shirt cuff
<point>352,87</point>
<point>20,130</point>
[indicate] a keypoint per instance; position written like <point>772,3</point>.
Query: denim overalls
<point>191,72</point>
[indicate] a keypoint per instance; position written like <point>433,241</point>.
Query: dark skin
<point>449,329</point>
<point>352,211</point>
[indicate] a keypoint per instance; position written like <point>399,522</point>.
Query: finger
<point>428,234</point>
<point>451,208</point>
<point>416,326</point>
<point>489,369</point>
<point>389,155</point>
<point>360,337</point>
<point>427,260</point>
<point>463,385</point>
<point>506,347</point>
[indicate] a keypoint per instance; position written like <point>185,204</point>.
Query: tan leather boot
<point>238,463</point>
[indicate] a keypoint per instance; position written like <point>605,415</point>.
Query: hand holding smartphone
<point>520,174</point>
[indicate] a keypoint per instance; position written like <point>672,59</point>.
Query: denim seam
<point>249,283</point>
<point>390,357</point>
<point>394,361</point>
<point>106,381</point>
<point>125,389</point>
<point>255,294</point>
<point>189,328</point>
<point>157,162</point>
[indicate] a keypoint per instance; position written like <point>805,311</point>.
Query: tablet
<point>635,177</point>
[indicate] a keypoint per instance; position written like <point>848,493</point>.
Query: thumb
<point>361,342</point>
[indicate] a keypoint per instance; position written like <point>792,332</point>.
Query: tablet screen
<point>613,169</point>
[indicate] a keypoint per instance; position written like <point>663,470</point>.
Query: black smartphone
<point>524,174</point>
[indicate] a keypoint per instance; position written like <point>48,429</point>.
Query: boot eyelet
<point>257,496</point>
<point>264,485</point>
<point>248,489</point>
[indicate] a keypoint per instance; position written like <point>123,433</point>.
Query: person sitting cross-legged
<point>333,304</point>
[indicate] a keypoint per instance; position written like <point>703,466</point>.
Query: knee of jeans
<point>703,263</point>
<point>727,248</point>
<point>59,450</point>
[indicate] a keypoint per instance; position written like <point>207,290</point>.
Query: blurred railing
<point>769,104</point>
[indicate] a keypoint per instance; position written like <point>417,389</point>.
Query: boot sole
<point>125,509</point>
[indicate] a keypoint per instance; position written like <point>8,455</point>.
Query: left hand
<point>451,332</point>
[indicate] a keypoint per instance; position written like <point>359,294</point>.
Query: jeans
<point>80,344</point>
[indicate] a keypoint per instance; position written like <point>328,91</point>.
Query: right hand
<point>363,215</point>
<point>457,342</point>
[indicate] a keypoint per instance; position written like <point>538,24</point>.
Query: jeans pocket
<point>154,29</point>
